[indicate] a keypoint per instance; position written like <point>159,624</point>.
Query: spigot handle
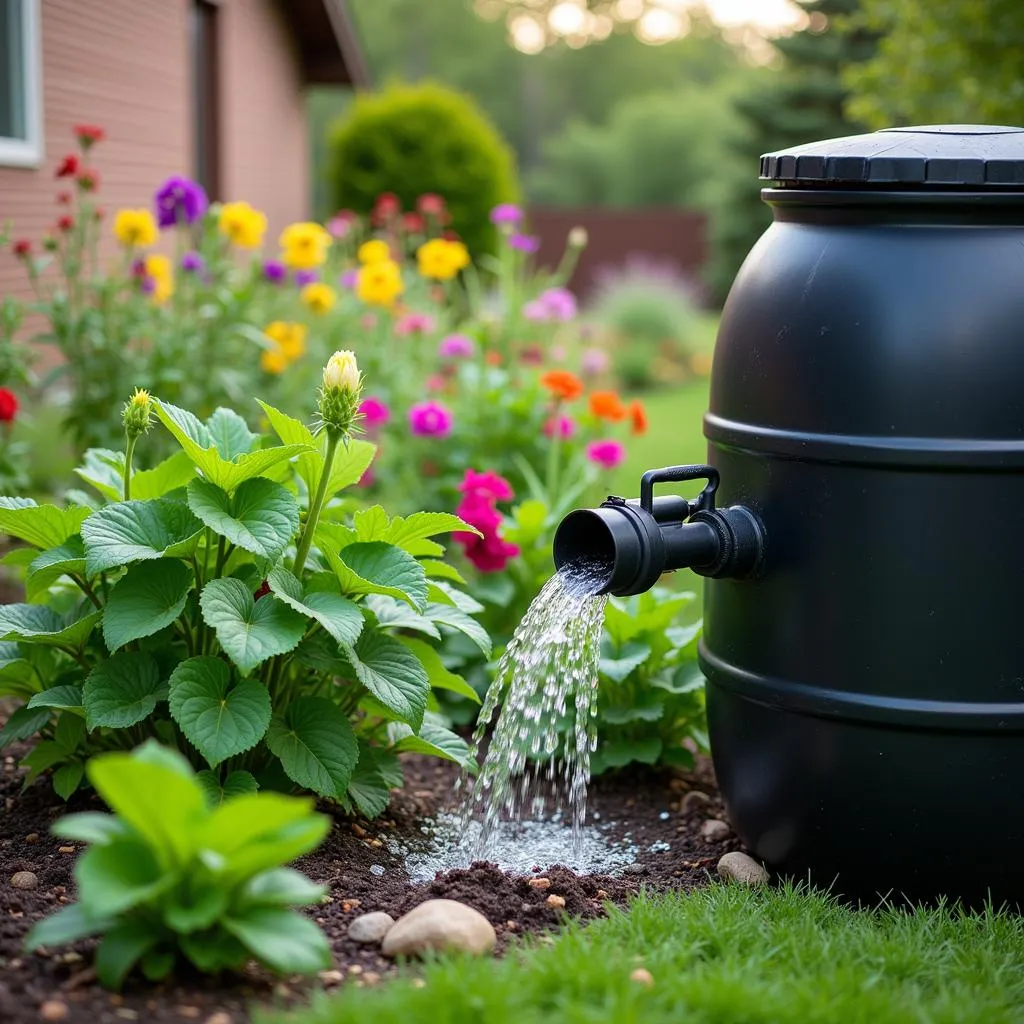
<point>673,474</point>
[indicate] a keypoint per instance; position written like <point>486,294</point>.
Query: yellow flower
<point>374,251</point>
<point>158,269</point>
<point>135,228</point>
<point>272,360</point>
<point>379,284</point>
<point>441,259</point>
<point>242,225</point>
<point>137,414</point>
<point>289,337</point>
<point>319,297</point>
<point>339,396</point>
<point>304,245</point>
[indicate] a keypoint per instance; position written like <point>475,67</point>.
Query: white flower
<point>342,371</point>
<point>578,237</point>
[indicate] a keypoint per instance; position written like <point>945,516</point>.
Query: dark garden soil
<point>59,984</point>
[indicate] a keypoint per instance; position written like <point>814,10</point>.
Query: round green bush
<point>412,139</point>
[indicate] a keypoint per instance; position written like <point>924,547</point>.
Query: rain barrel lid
<point>947,155</point>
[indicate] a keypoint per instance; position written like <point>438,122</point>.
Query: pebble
<point>738,867</point>
<point>24,880</point>
<point>53,1009</point>
<point>376,869</point>
<point>539,883</point>
<point>32,837</point>
<point>601,894</point>
<point>65,849</point>
<point>694,800</point>
<point>558,902</point>
<point>220,1017</point>
<point>714,830</point>
<point>642,976</point>
<point>331,977</point>
<point>440,925</point>
<point>635,869</point>
<point>370,927</point>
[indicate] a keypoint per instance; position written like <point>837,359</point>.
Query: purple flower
<point>179,201</point>
<point>456,346</point>
<point>374,411</point>
<point>349,278</point>
<point>192,263</point>
<point>506,213</point>
<point>430,419</point>
<point>304,277</point>
<point>524,243</point>
<point>147,285</point>
<point>594,362</point>
<point>274,271</point>
<point>554,304</point>
<point>536,311</point>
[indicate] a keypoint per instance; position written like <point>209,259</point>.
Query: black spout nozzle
<point>623,547</point>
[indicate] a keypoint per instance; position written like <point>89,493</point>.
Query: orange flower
<point>493,359</point>
<point>563,384</point>
<point>606,405</point>
<point>638,414</point>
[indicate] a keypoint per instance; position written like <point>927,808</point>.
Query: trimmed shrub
<point>415,139</point>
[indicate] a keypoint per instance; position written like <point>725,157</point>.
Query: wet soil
<point>655,809</point>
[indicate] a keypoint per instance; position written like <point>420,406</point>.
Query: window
<point>21,136</point>
<point>205,95</point>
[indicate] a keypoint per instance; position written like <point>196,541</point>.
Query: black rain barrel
<point>866,689</point>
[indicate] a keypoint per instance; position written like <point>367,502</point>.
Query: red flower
<point>430,204</point>
<point>22,248</point>
<point>263,590</point>
<point>451,236</point>
<point>63,198</point>
<point>88,134</point>
<point>88,180</point>
<point>68,167</point>
<point>413,223</point>
<point>66,224</point>
<point>8,406</point>
<point>386,209</point>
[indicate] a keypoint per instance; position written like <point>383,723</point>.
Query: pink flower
<point>553,304</point>
<point>430,419</point>
<point>606,453</point>
<point>341,223</point>
<point>349,278</point>
<point>488,484</point>
<point>456,346</point>
<point>506,213</point>
<point>414,323</point>
<point>479,510</point>
<point>368,479</point>
<point>564,426</point>
<point>594,362</point>
<point>436,382</point>
<point>374,411</point>
<point>489,553</point>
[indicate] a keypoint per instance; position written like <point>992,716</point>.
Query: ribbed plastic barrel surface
<point>866,693</point>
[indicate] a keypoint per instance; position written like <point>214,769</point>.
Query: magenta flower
<point>349,278</point>
<point>477,510</point>
<point>559,302</point>
<point>192,263</point>
<point>607,454</point>
<point>274,271</point>
<point>179,201</point>
<point>506,213</point>
<point>594,362</point>
<point>374,411</point>
<point>536,311</point>
<point>456,346</point>
<point>430,419</point>
<point>304,277</point>
<point>489,553</point>
<point>563,426</point>
<point>524,243</point>
<point>414,323</point>
<point>488,484</point>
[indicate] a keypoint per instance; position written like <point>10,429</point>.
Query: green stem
<point>87,590</point>
<point>129,451</point>
<point>554,453</point>
<point>306,540</point>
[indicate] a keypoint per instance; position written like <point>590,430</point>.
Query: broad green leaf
<point>133,531</point>
<point>463,601</point>
<point>68,924</point>
<point>122,690</point>
<point>281,939</point>
<point>150,596</point>
<point>94,827</point>
<point>157,964</point>
<point>392,673</point>
<point>42,526</point>
<point>316,745</point>
<point>651,710</point>
<point>67,779</point>
<point>617,664</point>
<point>36,623</point>
<point>167,476</point>
<point>392,614</point>
<point>250,631</point>
<point>434,738</point>
<point>350,463</point>
<point>48,566</point>
<point>406,533</point>
<point>236,784</point>
<point>261,516</point>
<point>196,908</point>
<point>41,757</point>
<point>169,758</point>
<point>437,674</point>
<point>230,433</point>
<point>378,568</point>
<point>23,724</point>
<point>457,619</point>
<point>213,950</point>
<point>369,789</point>
<point>441,570</point>
<point>66,696</point>
<point>121,949</point>
<point>200,446</point>
<point>70,730</point>
<point>254,818</point>
<point>281,887</point>
<point>339,616</point>
<point>128,783</point>
<point>687,678</point>
<point>104,469</point>
<point>618,753</point>
<point>371,523</point>
<point>682,637</point>
<point>219,718</point>
<point>119,875</point>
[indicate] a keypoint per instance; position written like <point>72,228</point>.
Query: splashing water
<point>539,752</point>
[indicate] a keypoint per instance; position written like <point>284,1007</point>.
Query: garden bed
<point>651,807</point>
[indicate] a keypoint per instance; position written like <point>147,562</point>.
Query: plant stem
<point>554,453</point>
<point>129,451</point>
<point>306,540</point>
<point>87,590</point>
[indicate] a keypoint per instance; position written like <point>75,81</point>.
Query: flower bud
<point>137,415</point>
<point>578,237</point>
<point>340,393</point>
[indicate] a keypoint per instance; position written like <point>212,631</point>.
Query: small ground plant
<point>227,603</point>
<point>170,875</point>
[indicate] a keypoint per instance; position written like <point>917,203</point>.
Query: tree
<point>948,62</point>
<point>804,103</point>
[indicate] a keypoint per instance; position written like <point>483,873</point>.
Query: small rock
<point>220,1017</point>
<point>694,801</point>
<point>126,1014</point>
<point>714,831</point>
<point>24,880</point>
<point>189,1012</point>
<point>358,830</point>
<point>65,849</point>
<point>557,902</point>
<point>440,925</point>
<point>635,869</point>
<point>355,969</point>
<point>371,978</point>
<point>642,976</point>
<point>331,977</point>
<point>539,883</point>
<point>370,927</point>
<point>376,869</point>
<point>32,837</point>
<point>53,1009</point>
<point>738,867</point>
<point>601,894</point>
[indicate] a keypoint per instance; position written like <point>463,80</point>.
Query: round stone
<point>24,880</point>
<point>439,925</point>
<point>370,927</point>
<point>714,831</point>
<point>738,867</point>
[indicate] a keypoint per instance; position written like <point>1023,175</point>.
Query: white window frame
<point>29,152</point>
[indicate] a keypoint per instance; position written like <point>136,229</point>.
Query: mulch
<point>655,809</point>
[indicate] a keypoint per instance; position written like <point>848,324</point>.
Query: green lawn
<point>724,955</point>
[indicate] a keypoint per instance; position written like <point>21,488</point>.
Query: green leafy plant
<point>174,874</point>
<point>651,701</point>
<point>411,140</point>
<point>228,603</point>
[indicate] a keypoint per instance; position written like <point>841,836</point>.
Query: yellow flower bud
<point>342,371</point>
<point>137,415</point>
<point>578,237</point>
<point>339,396</point>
